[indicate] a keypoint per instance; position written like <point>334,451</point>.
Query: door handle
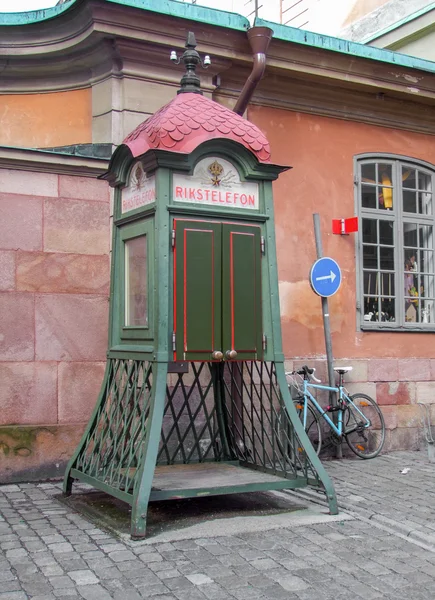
<point>217,355</point>
<point>231,354</point>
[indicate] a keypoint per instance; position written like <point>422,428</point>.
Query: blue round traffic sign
<point>325,277</point>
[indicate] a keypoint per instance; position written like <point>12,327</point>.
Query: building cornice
<point>192,12</point>
<point>28,159</point>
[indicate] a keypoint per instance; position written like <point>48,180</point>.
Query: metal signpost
<point>325,279</point>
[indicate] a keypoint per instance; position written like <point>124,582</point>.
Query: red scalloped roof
<point>191,119</point>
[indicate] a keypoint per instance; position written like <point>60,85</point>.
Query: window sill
<point>399,328</point>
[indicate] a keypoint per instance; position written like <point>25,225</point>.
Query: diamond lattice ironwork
<point>114,443</point>
<point>260,430</point>
<point>190,431</point>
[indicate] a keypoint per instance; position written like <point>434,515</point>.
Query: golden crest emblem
<point>216,170</point>
<point>138,178</point>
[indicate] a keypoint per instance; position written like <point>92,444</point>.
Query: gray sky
<point>24,5</point>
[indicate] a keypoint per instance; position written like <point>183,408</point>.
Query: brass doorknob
<point>231,354</point>
<point>217,355</point>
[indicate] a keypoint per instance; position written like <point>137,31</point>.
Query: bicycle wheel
<point>312,426</point>
<point>366,441</point>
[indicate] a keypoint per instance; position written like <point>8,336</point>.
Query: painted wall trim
<point>29,159</point>
<point>326,42</point>
<point>192,12</point>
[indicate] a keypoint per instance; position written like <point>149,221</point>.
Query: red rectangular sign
<point>344,226</point>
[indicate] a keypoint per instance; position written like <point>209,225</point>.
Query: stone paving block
<point>263,564</point>
<point>245,593</point>
<point>36,588</point>
<point>10,545</point>
<point>147,557</point>
<point>217,549</point>
<point>230,582</point>
<point>276,592</point>
<point>199,578</point>
<point>60,548</point>
<point>52,571</point>
<point>71,562</point>
<point>292,583</point>
<point>218,570</point>
<point>126,595</point>
<point>93,592</point>
<point>246,570</point>
<point>150,591</point>
<point>168,574</point>
<point>178,583</point>
<point>104,573</point>
<point>85,577</point>
<point>214,592</point>
<point>25,570</point>
<point>99,563</point>
<point>161,566</point>
<point>61,581</point>
<point>6,577</point>
<point>191,594</point>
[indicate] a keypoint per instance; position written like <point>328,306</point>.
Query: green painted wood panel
<point>197,289</point>
<point>241,288</point>
<point>217,290</point>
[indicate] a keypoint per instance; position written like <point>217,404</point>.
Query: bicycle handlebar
<point>307,373</point>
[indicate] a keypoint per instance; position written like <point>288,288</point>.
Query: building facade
<point>355,123</point>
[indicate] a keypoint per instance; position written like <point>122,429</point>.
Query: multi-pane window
<point>396,244</point>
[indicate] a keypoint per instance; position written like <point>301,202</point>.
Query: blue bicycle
<point>359,419</point>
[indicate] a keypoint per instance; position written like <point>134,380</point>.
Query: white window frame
<point>398,217</point>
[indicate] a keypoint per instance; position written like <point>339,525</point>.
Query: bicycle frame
<point>338,429</point>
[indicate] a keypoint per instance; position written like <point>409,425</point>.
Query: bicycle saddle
<point>343,370</point>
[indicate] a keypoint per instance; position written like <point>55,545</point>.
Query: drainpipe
<point>259,39</point>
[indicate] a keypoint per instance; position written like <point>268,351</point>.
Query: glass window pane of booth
<point>136,282</point>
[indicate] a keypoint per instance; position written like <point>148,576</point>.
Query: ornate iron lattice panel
<point>114,443</point>
<point>190,431</point>
<point>259,429</point>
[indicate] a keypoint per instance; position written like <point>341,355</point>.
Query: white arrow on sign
<point>332,276</point>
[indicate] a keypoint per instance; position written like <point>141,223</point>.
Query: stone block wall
<point>54,289</point>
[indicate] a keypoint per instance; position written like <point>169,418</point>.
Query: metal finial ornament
<point>190,81</point>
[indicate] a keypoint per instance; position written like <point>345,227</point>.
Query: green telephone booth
<point>194,400</point>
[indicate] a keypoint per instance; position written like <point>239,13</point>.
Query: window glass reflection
<point>136,280</point>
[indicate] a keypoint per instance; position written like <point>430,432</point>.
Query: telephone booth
<point>194,400</point>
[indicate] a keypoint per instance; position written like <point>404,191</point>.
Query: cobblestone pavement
<point>49,551</point>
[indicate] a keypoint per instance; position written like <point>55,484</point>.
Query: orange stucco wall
<point>321,151</point>
<point>45,120</point>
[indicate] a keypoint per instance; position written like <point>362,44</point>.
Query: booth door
<point>217,291</point>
